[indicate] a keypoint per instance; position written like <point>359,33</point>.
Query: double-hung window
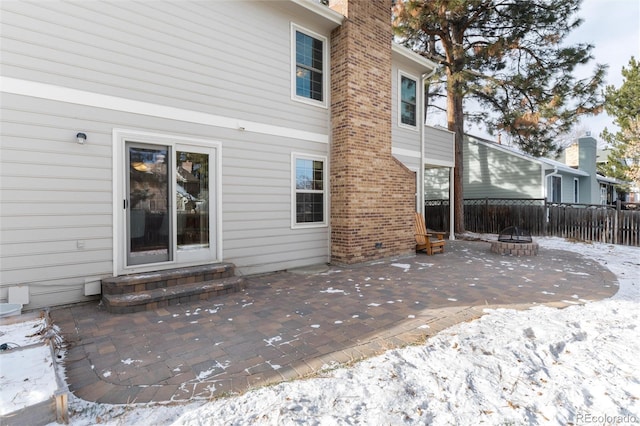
<point>309,66</point>
<point>309,201</point>
<point>408,101</point>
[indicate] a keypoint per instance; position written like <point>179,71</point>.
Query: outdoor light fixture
<point>81,138</point>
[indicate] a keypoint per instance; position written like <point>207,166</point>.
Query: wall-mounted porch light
<point>81,138</point>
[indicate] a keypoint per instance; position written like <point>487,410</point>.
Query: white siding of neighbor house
<point>496,173</point>
<point>56,208</point>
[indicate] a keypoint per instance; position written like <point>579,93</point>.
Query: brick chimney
<point>372,194</point>
<point>587,156</point>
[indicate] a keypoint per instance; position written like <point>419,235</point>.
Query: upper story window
<point>408,100</point>
<point>309,191</point>
<point>309,66</point>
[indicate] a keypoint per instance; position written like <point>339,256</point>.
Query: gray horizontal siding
<point>439,146</point>
<point>55,197</point>
<point>170,53</point>
<point>402,137</point>
<point>491,172</point>
<point>410,162</point>
<point>56,213</point>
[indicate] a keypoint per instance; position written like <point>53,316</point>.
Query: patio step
<point>153,290</point>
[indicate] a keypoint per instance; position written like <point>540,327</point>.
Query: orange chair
<point>429,241</point>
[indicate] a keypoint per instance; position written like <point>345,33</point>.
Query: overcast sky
<point>613,27</point>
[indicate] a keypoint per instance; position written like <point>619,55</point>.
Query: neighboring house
<point>272,135</point>
<point>585,155</point>
<point>609,195</point>
<point>492,170</point>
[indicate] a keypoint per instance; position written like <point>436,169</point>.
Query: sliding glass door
<point>169,213</point>
<point>148,204</point>
<point>192,200</point>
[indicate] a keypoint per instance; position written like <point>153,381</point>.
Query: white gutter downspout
<point>423,79</point>
<point>423,115</point>
<point>452,216</point>
<point>545,179</point>
<point>545,189</point>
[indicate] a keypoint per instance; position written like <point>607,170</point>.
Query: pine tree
<point>624,105</point>
<point>509,56</point>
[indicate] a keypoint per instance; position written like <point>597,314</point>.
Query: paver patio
<point>293,324</point>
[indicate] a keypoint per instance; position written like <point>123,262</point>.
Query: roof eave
<point>413,56</point>
<point>321,10</point>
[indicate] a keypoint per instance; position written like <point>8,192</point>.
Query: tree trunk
<point>455,120</point>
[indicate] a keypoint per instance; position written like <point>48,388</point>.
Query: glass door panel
<point>148,210</point>
<point>192,200</point>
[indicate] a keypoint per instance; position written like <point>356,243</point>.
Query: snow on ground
<point>578,365</point>
<point>27,376</point>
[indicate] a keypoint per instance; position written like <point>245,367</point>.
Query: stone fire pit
<point>514,241</point>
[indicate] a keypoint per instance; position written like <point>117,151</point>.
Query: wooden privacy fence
<point>604,224</point>
<point>493,215</point>
<point>618,224</point>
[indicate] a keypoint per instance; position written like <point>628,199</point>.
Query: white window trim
<point>325,67</point>
<point>418,100</point>
<point>119,139</point>
<point>325,209</point>
<point>576,190</point>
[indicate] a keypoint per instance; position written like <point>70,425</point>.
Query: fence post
<point>489,221</point>
<point>616,222</point>
<point>545,218</point>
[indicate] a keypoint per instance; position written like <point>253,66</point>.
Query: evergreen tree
<point>624,105</point>
<point>509,56</point>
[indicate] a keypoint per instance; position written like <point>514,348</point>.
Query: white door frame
<point>119,139</point>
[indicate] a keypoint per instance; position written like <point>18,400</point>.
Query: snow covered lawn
<point>579,365</point>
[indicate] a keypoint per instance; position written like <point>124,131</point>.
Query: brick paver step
<point>167,278</point>
<point>173,295</point>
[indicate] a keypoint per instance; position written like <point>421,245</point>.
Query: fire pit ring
<point>514,241</point>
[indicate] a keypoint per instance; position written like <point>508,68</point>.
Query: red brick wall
<point>372,194</point>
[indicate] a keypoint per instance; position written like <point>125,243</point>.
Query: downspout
<point>423,115</point>
<point>421,175</point>
<point>545,180</point>
<point>424,78</point>
<point>452,216</point>
<point>545,189</point>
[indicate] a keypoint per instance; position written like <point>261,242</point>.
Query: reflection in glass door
<point>147,205</point>
<point>192,200</point>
